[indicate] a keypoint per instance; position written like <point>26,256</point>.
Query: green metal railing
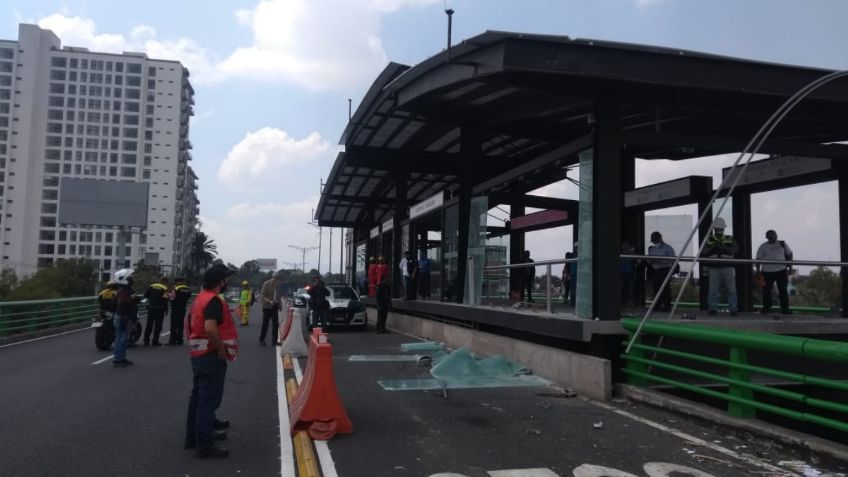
<point>644,360</point>
<point>22,317</point>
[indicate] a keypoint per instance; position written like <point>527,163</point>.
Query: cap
<point>719,224</point>
<point>216,273</point>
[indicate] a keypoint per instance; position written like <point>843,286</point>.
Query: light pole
<point>292,265</point>
<point>303,251</point>
<point>320,234</point>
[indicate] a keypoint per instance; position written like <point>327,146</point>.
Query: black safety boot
<point>211,451</point>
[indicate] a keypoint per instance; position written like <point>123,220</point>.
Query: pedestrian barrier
<point>294,344</point>
<point>286,326</point>
<point>744,397</point>
<point>316,406</point>
<point>19,317</point>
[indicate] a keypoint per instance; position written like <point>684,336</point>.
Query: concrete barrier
<point>587,375</point>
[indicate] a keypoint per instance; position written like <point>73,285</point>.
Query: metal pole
<point>548,291</point>
<point>320,234</point>
<point>470,274</point>
<point>330,254</point>
<point>449,11</point>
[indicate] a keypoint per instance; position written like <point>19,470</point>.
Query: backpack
<point>783,244</point>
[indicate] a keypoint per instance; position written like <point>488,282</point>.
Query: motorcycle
<point>104,331</point>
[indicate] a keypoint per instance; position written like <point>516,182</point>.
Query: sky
<point>272,80</point>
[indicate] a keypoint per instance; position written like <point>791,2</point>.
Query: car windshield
<point>342,293</point>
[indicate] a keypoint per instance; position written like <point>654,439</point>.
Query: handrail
<point>28,316</point>
<point>45,302</point>
<point>740,397</point>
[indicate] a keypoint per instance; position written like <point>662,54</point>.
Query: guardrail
<point>23,317</point>
<point>741,395</point>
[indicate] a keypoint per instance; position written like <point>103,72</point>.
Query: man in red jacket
<point>212,341</point>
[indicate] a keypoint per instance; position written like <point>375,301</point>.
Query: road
<point>62,414</point>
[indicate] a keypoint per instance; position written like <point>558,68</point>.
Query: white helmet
<point>719,224</point>
<point>123,276</point>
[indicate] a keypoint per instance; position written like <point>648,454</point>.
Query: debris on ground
<point>598,425</point>
<point>534,432</point>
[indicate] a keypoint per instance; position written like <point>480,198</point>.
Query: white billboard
<point>267,264</point>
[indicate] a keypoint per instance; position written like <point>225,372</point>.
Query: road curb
<point>807,443</point>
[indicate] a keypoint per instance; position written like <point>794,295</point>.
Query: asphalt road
<point>62,415</point>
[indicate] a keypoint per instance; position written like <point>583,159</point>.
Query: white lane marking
<point>588,470</point>
<point>286,447</point>
<point>45,337</point>
<point>103,360</point>
<point>664,469</point>
<point>523,473</point>
<point>328,466</point>
<point>694,440</point>
<point>165,333</point>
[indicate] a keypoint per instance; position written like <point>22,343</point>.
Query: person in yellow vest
<point>720,245</point>
<point>157,305</point>
<point>213,340</point>
<point>245,300</point>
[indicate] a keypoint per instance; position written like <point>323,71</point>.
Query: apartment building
<point>67,112</point>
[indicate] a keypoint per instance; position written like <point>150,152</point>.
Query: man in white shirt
<point>774,249</point>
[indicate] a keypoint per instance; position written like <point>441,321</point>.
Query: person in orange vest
<point>213,341</point>
<point>372,277</point>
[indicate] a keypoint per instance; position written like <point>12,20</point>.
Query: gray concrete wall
<point>586,375</point>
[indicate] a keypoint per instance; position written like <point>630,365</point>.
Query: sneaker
<point>211,451</point>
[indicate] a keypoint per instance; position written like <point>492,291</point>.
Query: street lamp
<point>303,251</point>
<point>320,234</point>
<point>292,265</point>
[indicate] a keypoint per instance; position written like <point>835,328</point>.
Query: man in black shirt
<point>384,303</point>
<point>179,300</point>
<point>157,305</point>
<point>318,294</point>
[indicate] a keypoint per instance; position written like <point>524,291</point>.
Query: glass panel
<point>434,253</point>
<point>361,264</point>
<point>496,282</point>
<point>478,218</point>
<point>449,250</point>
<point>585,307</point>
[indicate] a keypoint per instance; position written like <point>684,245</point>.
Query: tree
<point>8,281</point>
<point>65,279</point>
<point>822,287</point>
<point>203,251</point>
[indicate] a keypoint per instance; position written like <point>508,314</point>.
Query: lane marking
<point>538,472</point>
<point>328,466</point>
<point>45,337</point>
<point>697,441</point>
<point>286,449</point>
<point>165,333</point>
<point>104,359</point>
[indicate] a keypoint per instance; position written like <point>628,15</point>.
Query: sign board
<point>104,203</point>
<point>538,218</point>
<point>777,168</point>
<point>375,232</point>
<point>652,194</point>
<point>428,205</point>
<point>267,264</point>
<point>388,225</point>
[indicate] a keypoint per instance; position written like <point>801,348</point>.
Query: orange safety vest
<point>198,340</point>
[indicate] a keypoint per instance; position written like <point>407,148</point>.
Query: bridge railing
<point>25,317</point>
<point>745,391</point>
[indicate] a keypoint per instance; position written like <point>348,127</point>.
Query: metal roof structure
<point>529,101</point>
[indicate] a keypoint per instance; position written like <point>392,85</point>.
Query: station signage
<point>375,232</point>
<point>388,225</point>
<point>537,218</point>
<point>676,189</point>
<point>777,168</point>
<point>428,205</point>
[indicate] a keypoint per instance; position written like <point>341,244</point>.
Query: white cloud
<point>266,151</point>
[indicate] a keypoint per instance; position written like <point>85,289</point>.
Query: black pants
<point>424,284</point>
<point>382,315</point>
<point>207,390</point>
<point>657,278</point>
<point>527,284</point>
<point>269,314</point>
<point>154,324</point>
<point>782,279</point>
<point>177,323</point>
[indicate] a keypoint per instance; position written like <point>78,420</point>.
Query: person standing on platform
<point>157,306</point>
<point>179,302</point>
<point>659,269</point>
<point>213,340</point>
<point>566,278</point>
<point>372,277</point>
<point>404,272</point>
<point>720,245</point>
<point>384,303</point>
<point>424,275</point>
<point>270,307</point>
<point>777,250</point>
<point>245,300</point>
<point>528,275</point>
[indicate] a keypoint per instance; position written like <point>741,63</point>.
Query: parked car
<point>300,298</point>
<point>345,307</point>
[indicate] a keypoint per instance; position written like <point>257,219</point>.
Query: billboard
<point>267,264</point>
<point>101,202</point>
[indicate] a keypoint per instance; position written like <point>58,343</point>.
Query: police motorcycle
<point>104,327</point>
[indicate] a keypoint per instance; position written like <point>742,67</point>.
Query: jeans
<point>722,276</point>
<point>782,280</point>
<point>121,332</point>
<point>269,314</point>
<point>207,390</point>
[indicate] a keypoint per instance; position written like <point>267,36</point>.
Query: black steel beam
<point>535,201</point>
<point>607,192</point>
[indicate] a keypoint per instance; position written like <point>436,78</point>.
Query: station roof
<point>529,100</point>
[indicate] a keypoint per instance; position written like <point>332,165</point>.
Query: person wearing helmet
<point>245,300</point>
<point>213,340</point>
<point>720,245</point>
<point>270,306</point>
<point>179,301</point>
<point>659,269</point>
<point>126,311</point>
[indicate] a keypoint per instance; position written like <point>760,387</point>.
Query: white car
<point>345,307</point>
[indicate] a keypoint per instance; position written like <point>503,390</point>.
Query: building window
<point>128,172</point>
<point>134,68</point>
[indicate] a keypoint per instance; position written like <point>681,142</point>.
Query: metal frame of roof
<point>530,101</point>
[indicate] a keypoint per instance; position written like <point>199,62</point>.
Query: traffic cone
<point>293,343</point>
<point>316,407</point>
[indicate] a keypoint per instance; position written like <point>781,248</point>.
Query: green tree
<point>65,279</point>
<point>203,252</point>
<point>822,287</point>
<point>8,281</point>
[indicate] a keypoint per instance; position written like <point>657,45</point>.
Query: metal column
<point>471,150</point>
<point>742,235</point>
<point>607,212</point>
<point>516,246</point>
<point>843,237</point>
<point>401,178</point>
<point>703,230</point>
